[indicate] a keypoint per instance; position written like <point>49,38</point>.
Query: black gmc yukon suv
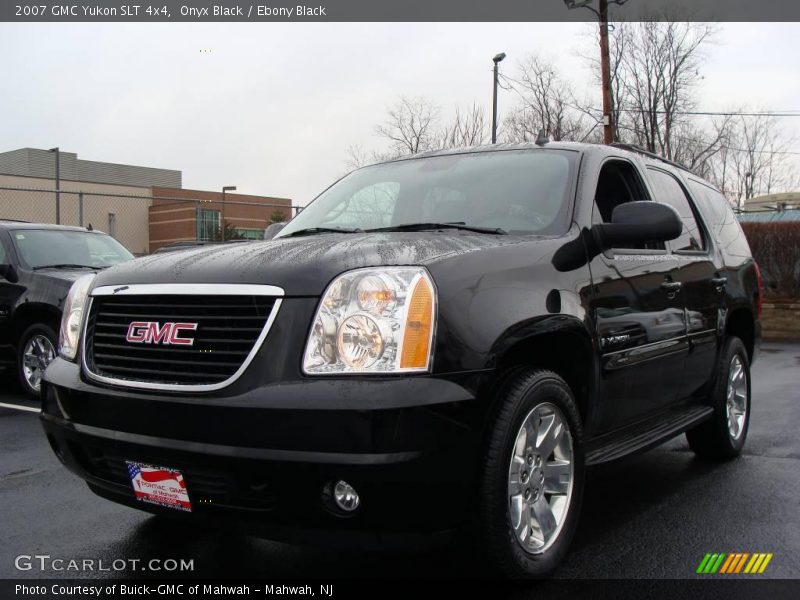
<point>38,265</point>
<point>436,344</point>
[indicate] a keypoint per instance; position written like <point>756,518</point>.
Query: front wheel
<point>36,350</point>
<point>724,434</point>
<point>533,475</point>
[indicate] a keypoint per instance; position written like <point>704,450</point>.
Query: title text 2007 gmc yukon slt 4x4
<point>436,344</point>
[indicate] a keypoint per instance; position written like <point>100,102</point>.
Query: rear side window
<point>721,220</point>
<point>668,190</point>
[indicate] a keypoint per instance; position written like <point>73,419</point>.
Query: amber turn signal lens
<point>417,338</point>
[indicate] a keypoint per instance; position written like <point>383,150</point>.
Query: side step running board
<point>644,437</point>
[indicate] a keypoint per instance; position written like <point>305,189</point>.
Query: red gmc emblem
<point>152,332</point>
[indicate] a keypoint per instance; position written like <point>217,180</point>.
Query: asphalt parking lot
<point>650,516</point>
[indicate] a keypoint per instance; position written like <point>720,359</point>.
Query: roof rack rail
<point>14,220</point>
<point>642,151</point>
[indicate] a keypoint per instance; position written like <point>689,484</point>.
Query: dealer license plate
<point>159,485</point>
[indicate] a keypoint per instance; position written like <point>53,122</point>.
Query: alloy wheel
<point>736,404</point>
<point>39,352</point>
<point>540,478</point>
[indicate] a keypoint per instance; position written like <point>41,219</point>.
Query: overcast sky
<point>272,108</point>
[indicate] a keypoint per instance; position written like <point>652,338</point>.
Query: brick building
<point>179,215</point>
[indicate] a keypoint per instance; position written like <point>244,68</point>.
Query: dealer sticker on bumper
<point>159,485</point>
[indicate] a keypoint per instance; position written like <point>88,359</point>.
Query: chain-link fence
<point>143,224</point>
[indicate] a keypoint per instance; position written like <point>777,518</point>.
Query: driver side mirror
<point>637,223</point>
<point>9,273</point>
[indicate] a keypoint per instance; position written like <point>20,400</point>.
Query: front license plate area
<point>161,486</point>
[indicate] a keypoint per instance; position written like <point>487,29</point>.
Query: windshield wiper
<point>66,266</point>
<point>450,225</point>
<point>313,230</point>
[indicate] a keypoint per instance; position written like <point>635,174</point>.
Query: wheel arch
<point>741,323</point>
<point>561,344</point>
<point>31,313</point>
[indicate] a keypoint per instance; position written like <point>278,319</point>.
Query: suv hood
<point>302,266</point>
<point>67,276</point>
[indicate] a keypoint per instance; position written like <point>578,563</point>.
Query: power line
<point>722,146</point>
<point>699,113</point>
<point>511,81</point>
<point>710,113</point>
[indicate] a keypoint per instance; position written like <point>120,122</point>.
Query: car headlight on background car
<point>72,317</point>
<point>375,320</point>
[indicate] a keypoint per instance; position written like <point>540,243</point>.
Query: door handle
<point>671,286</point>
<point>719,281</point>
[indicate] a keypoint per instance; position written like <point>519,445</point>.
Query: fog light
<point>345,496</point>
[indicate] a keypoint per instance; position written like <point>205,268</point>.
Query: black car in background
<point>38,265</point>
<point>437,344</point>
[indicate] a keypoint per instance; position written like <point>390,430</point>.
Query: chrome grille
<point>229,329</point>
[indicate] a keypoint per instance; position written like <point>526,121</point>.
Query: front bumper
<point>260,460</point>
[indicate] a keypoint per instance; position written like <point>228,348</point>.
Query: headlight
<point>72,317</point>
<point>376,320</point>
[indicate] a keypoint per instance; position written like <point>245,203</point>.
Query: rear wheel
<point>532,480</point>
<point>36,350</point>
<point>723,435</point>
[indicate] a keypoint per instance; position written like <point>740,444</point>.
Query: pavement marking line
<point>20,407</point>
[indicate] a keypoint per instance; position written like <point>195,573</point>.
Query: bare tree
<point>754,159</point>
<point>547,102</point>
<point>698,147</point>
<point>469,127</point>
<point>410,125</point>
<point>358,156</point>
<point>656,73</point>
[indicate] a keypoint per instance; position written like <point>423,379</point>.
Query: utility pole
<point>605,60</point>
<point>227,188</point>
<point>605,70</point>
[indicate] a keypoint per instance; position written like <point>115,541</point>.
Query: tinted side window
<point>720,218</point>
<point>2,254</point>
<point>668,190</point>
<point>619,182</point>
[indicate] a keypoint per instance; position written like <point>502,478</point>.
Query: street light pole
<point>227,188</point>
<point>496,60</point>
<point>58,184</point>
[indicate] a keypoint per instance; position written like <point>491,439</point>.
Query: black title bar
<point>393,11</point>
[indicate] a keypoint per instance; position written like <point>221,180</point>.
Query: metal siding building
<point>35,162</point>
<point>770,216</point>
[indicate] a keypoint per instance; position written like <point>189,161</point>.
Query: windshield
<point>519,191</point>
<point>49,247</point>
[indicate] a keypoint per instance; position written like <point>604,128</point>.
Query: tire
<point>723,436</point>
<point>35,350</point>
<point>533,397</point>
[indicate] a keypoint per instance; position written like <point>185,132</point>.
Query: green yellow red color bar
<point>733,563</point>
